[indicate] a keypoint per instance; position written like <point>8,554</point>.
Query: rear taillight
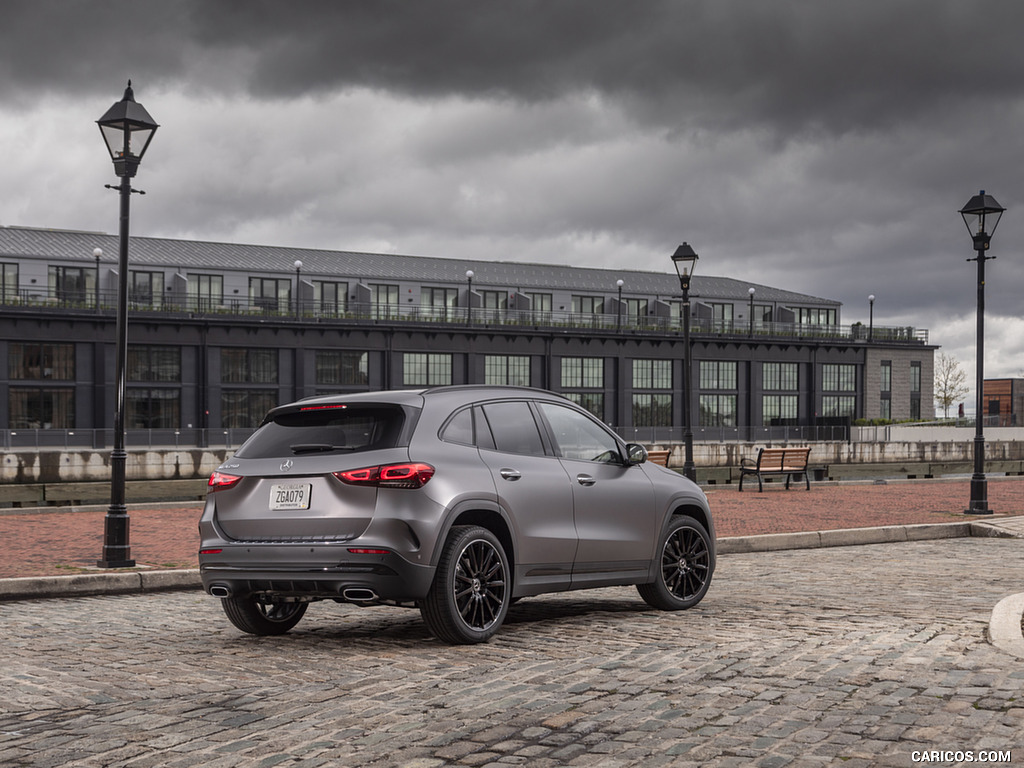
<point>414,475</point>
<point>220,481</point>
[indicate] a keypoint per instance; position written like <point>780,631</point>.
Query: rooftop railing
<point>104,302</point>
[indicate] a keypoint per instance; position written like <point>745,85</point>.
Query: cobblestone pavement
<point>852,656</point>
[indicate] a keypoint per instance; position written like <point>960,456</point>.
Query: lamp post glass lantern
<point>981,215</point>
<point>127,130</point>
<point>685,261</point>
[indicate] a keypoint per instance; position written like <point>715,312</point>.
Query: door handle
<point>510,474</point>
<point>585,480</point>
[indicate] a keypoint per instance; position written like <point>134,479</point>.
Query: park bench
<point>658,457</point>
<point>777,461</point>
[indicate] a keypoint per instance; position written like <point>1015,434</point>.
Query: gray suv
<point>457,500</point>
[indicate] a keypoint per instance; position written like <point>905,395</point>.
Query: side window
<point>578,437</point>
<point>513,428</point>
<point>459,428</point>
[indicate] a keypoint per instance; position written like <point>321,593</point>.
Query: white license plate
<point>290,496</point>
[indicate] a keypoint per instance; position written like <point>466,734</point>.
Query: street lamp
<point>751,290</point>
<point>619,283</point>
<point>97,253</point>
<point>981,215</point>
<point>685,260</point>
<point>298,275</point>
<point>469,297</point>
<point>127,130</point>
<point>871,316</point>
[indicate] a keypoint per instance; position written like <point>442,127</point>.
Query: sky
<point>822,146</point>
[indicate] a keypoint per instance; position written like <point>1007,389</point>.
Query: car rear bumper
<point>312,571</point>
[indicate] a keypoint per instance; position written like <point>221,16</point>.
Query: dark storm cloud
<point>795,66</point>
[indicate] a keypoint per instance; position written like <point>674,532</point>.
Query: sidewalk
<point>53,542</point>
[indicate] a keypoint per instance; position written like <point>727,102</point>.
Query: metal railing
<point>138,439</point>
<point>104,302</point>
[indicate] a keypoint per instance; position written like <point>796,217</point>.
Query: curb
<point>88,584</point>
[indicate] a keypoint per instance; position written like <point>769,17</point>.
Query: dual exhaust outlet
<point>352,594</point>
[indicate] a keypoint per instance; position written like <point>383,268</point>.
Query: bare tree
<point>950,382</point>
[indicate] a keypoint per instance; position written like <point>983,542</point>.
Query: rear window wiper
<point>319,448</point>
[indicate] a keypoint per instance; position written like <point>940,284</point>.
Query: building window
<point>915,391</point>
<point>32,408</point>
<point>838,378</point>
<point>147,363</point>
<point>330,299</point>
<point>344,369</point>
<point>718,374</point>
<point>72,285</point>
<point>421,369</point>
<point>152,408</point>
<point>636,309</point>
<point>41,361</point>
<point>8,282</point>
<point>722,315</point>
<point>205,292</point>
<point>493,300</point>
<point>780,377</point>
<point>718,410</point>
<point>588,305</point>
<point>652,410</point>
<point>838,406</point>
<point>248,366</point>
<point>270,293</point>
<point>540,302</point>
<point>814,316</point>
<point>146,289</point>
<point>512,370</point>
<point>652,374</point>
<point>245,408</point>
<point>885,390</point>
<point>779,409</point>
<point>582,373</point>
<point>436,302</point>
<point>383,300</point>
<point>589,401</point>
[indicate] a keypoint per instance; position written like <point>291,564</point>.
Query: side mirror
<point>635,454</point>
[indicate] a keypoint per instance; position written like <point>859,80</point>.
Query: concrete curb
<point>846,537</point>
<point>1004,628</point>
<point>86,584</point>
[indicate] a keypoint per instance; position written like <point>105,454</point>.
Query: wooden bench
<point>777,461</point>
<point>658,457</point>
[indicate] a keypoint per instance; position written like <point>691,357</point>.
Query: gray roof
<point>190,255</point>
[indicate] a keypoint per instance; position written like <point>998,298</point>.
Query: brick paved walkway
<point>55,542</point>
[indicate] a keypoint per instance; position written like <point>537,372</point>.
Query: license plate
<point>290,496</point>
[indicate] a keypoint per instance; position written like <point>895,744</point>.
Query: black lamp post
<point>127,130</point>
<point>751,291</point>
<point>469,297</point>
<point>97,253</point>
<point>618,324</point>
<point>981,215</point>
<point>298,279</point>
<point>871,317</point>
<point>685,260</point>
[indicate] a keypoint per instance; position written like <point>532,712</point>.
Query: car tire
<point>685,565</point>
<point>257,617</point>
<point>472,588</point>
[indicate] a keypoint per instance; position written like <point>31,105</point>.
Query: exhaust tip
<point>219,590</point>
<point>359,595</point>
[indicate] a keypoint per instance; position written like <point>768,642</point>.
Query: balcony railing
<point>104,302</point>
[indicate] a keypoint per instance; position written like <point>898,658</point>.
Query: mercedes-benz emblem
<point>286,465</point>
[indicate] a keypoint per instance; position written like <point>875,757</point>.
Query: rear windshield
<point>338,429</point>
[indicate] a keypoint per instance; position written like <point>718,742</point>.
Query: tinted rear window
<point>327,430</point>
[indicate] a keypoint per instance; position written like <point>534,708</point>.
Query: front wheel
<point>685,565</point>
<point>472,588</point>
<point>262,616</point>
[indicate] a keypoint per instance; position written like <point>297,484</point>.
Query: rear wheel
<point>685,565</point>
<point>262,616</point>
<point>472,590</point>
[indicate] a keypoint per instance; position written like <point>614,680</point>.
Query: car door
<point>534,489</point>
<point>613,503</point>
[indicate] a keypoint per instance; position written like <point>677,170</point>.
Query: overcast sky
<point>825,147</point>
